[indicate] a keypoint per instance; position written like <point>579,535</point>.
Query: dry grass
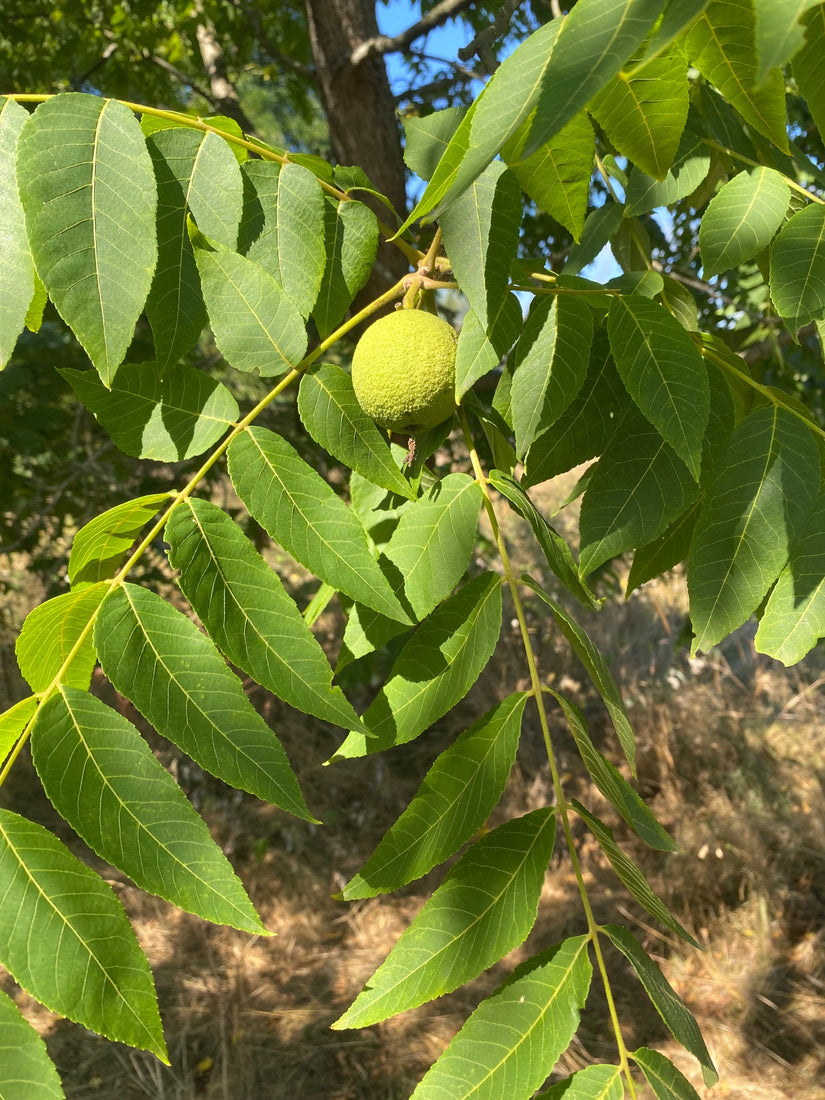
<point>731,758</point>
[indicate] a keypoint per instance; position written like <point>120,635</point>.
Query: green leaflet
<point>538,1006</point>
<point>663,371</point>
<point>688,170</point>
<point>164,418</point>
<point>557,553</point>
<point>593,1083</point>
<point>797,275</point>
<point>754,510</point>
<point>676,1015</point>
<point>351,235</point>
<point>303,513</point>
<point>425,139</point>
<point>779,33</point>
<point>481,230</point>
<point>664,552</point>
<point>432,545</point>
<point>741,219</point>
<point>557,175</point>
<point>331,414</point>
<point>807,64</point>
<point>99,547</point>
<point>195,172</point>
<point>612,783</point>
<point>17,269</point>
<point>50,633</point>
<point>643,113</point>
<point>103,778</point>
<point>636,489</point>
<point>667,1082</point>
<point>256,326</point>
<point>721,45</point>
<point>600,225</point>
<point>550,362</point>
<point>630,875</point>
<point>26,1071</point>
<point>65,938</point>
<point>435,669</point>
<point>596,668</point>
<point>13,721</point>
<point>479,352</point>
<point>293,252</point>
<point>452,803</point>
<point>89,194</point>
<point>485,907</point>
<point>176,678</point>
<point>248,614</point>
<point>587,425</point>
<point>794,617</point>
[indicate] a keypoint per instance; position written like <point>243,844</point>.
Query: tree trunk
<point>359,107</point>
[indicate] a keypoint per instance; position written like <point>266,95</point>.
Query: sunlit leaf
<point>17,269</point>
<point>689,168</point>
<point>798,268</point>
<point>103,778</point>
<point>592,1083</point>
<point>741,219</point>
<point>26,1071</point>
<point>453,801</point>
<point>99,547</point>
<point>89,194</point>
<point>65,938</point>
<point>779,33</point>
<point>56,639</point>
<point>351,235</point>
<point>667,1082</point>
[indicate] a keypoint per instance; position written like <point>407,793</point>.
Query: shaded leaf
<point>425,139</point>
<point>557,176</point>
<point>636,489</point>
<point>434,670</point>
<point>256,326</point>
<point>351,235</point>
<point>179,682</point>
<point>754,510</point>
<point>600,225</point>
<point>26,1071</point>
<point>643,113</point>
<point>537,1010</point>
<point>164,418</point>
<point>65,938</point>
<point>630,875</point>
<point>721,45</point>
<point>794,617</point>
<point>807,63</point>
<point>667,1082</point>
<point>248,613</point>
<point>103,778</point>
<point>557,553</point>
<point>331,414</point>
<point>51,637</point>
<point>89,194</point>
<point>481,230</point>
<point>17,268</point>
<point>663,553</point>
<point>688,170</point>
<point>597,669</point>
<point>479,352</point>
<point>741,219</point>
<point>664,373</point>
<point>452,803</point>
<point>99,546</point>
<point>305,516</point>
<point>485,907</point>
<point>612,784</point>
<point>779,33</point>
<point>797,275</point>
<point>432,545</point>
<point>675,1013</point>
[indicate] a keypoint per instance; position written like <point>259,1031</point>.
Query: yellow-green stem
<point>183,495</point>
<point>562,807</point>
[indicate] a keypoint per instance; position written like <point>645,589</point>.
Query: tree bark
<point>359,106</point>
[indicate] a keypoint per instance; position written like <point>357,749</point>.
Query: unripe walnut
<point>403,371</point>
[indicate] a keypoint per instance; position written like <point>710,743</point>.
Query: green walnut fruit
<point>403,371</point>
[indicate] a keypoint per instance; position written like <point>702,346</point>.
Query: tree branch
<point>482,45</point>
<point>382,44</point>
<point>79,81</point>
<point>253,17</point>
<point>167,67</point>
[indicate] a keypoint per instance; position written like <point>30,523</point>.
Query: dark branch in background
<point>224,96</point>
<point>382,44</point>
<point>187,81</point>
<point>79,81</point>
<point>482,45</point>
<point>253,17</point>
